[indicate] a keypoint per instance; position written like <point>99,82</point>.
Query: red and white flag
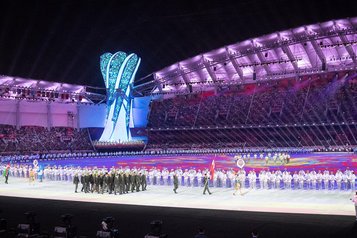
<point>211,169</point>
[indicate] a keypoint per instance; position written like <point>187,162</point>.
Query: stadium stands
<point>316,110</point>
<point>33,139</point>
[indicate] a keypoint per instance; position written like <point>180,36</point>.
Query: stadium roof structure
<point>39,84</point>
<point>16,88</point>
<point>306,50</point>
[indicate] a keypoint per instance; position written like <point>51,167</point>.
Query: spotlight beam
<point>19,49</point>
<point>46,42</point>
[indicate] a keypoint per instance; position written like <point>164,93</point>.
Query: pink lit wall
<point>51,114</point>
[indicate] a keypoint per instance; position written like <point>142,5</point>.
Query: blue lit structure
<point>118,71</point>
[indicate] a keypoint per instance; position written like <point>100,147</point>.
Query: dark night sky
<point>62,40</point>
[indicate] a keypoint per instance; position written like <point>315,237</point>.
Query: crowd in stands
<point>270,137</point>
<point>316,100</point>
<point>317,111</point>
<point>34,139</point>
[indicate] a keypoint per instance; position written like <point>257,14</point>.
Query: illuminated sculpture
<point>118,71</point>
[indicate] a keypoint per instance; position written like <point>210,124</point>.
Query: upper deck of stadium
<point>40,90</point>
<point>305,50</point>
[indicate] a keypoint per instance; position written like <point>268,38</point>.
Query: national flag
<point>211,169</point>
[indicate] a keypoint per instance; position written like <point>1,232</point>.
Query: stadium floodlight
<point>118,71</point>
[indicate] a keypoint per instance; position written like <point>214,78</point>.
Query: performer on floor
<point>287,180</point>
<point>40,173</point>
<point>116,184</point>
<point>262,179</point>
<point>237,185</point>
<point>32,176</point>
<point>82,182</point>
<point>76,182</point>
<point>176,182</point>
<point>325,178</point>
<point>6,173</point>
<point>137,181</point>
<point>86,182</point>
<point>127,182</point>
<point>105,183</point>
<point>252,179</point>
<point>111,185</point>
<point>206,184</point>
<point>91,182</point>
<point>319,178</point>
<point>96,182</point>
<point>101,182</point>
<point>121,182</point>
<point>132,181</point>
<point>338,178</point>
<point>351,180</point>
<point>332,180</point>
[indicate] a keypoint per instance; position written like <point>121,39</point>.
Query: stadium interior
<point>292,92</point>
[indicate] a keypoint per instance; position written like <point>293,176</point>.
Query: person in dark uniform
<point>143,181</point>
<point>132,181</point>
<point>86,183</point>
<point>126,182</point>
<point>206,184</point>
<point>111,184</point>
<point>101,183</point>
<point>105,183</point>
<point>176,182</point>
<point>76,182</point>
<point>116,184</point>
<point>91,182</point>
<point>96,182</point>
<point>121,182</point>
<point>82,182</point>
<point>138,182</point>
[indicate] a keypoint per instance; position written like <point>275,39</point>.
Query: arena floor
<point>275,213</point>
<point>330,202</point>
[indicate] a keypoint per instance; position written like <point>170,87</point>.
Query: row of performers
<point>283,158</point>
<point>265,179</point>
